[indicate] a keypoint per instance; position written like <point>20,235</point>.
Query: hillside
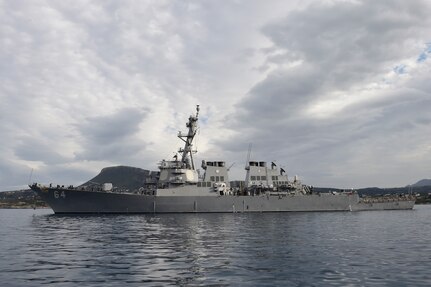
<point>422,182</point>
<point>123,177</point>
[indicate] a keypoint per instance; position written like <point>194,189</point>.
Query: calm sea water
<point>379,248</point>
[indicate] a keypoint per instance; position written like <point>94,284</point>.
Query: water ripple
<point>275,249</point>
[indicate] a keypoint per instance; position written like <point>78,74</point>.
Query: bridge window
<point>212,178</point>
<point>253,177</point>
<point>263,177</point>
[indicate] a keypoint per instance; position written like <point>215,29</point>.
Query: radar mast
<point>188,141</point>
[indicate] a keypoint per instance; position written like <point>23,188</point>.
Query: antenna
<point>29,178</point>
<point>228,169</point>
<point>248,156</point>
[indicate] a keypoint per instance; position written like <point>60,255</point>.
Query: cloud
<point>112,137</point>
<point>29,149</point>
<point>424,55</point>
<point>333,89</point>
<point>331,104</point>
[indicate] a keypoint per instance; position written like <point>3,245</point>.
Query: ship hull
<point>81,201</point>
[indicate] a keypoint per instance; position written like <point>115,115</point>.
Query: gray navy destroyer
<point>179,188</point>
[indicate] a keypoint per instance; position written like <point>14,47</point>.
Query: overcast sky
<point>337,92</point>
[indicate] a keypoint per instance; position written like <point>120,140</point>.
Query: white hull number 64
<point>58,194</point>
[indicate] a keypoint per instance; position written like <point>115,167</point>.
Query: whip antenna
<point>29,178</point>
<point>248,156</point>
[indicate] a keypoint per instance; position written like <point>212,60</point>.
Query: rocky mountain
<point>123,177</point>
<point>422,182</point>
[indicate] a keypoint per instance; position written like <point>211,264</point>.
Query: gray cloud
<point>36,150</point>
<point>344,49</point>
<point>312,85</point>
<point>111,137</point>
<point>118,126</point>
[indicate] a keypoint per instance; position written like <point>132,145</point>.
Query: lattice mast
<point>188,141</point>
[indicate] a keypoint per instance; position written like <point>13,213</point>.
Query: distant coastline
<point>21,199</point>
<point>13,206</point>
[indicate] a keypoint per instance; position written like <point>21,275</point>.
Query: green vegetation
<point>424,199</point>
